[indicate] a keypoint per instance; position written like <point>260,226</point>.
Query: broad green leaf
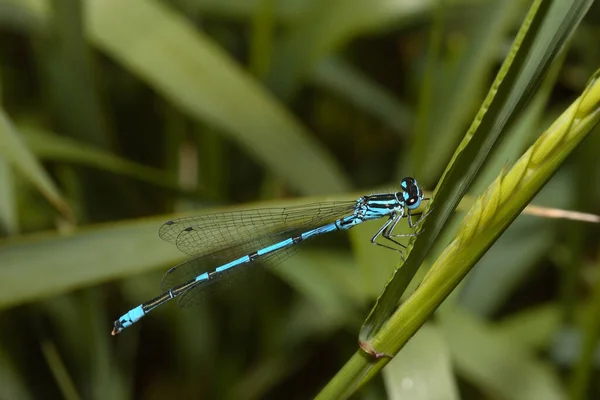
<point>499,367</point>
<point>424,369</point>
<point>44,265</point>
<point>20,157</point>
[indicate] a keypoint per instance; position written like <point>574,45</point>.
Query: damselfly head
<point>412,193</point>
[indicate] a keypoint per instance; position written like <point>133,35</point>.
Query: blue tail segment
<point>222,242</point>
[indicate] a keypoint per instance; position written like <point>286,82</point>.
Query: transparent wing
<point>226,278</point>
<point>206,234</point>
<point>216,239</point>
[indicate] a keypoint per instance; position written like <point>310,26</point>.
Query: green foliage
<point>119,115</point>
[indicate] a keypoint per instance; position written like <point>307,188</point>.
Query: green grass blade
<point>57,366</point>
<point>536,45</point>
<point>491,214</point>
<point>20,157</point>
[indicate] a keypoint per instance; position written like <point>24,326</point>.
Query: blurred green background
<point>117,115</point>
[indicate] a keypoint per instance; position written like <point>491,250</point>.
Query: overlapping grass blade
<point>20,157</point>
<point>491,214</point>
<point>543,34</point>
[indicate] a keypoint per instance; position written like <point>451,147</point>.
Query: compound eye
<point>406,183</point>
<point>413,202</point>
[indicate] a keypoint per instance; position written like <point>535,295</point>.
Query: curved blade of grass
<point>54,147</point>
<point>16,152</point>
<point>491,214</point>
<point>543,34</point>
<point>58,368</point>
